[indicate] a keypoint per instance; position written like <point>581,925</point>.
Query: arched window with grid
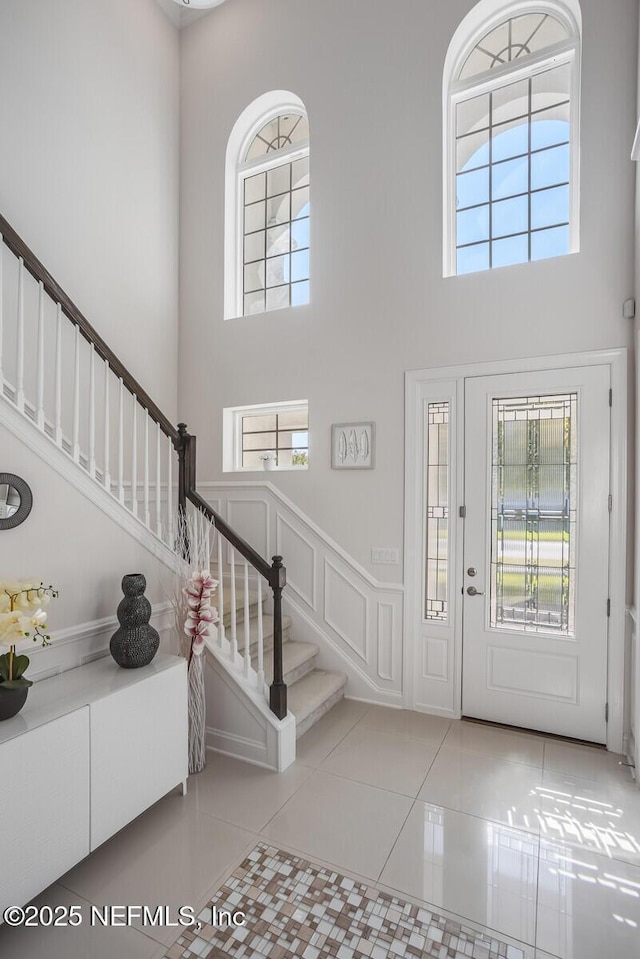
<point>512,85</point>
<point>268,212</point>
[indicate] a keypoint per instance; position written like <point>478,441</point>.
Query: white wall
<point>370,76</point>
<point>89,123</point>
<point>70,542</point>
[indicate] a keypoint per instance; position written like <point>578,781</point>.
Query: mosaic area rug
<point>294,908</point>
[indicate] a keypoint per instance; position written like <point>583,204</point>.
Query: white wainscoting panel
<point>240,723</point>
<point>346,610</point>
<point>386,627</point>
<point>355,620</point>
<point>301,560</point>
<point>436,659</point>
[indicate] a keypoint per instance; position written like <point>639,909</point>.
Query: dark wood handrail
<point>238,543</point>
<point>20,249</point>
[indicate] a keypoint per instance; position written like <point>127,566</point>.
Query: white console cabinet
<point>91,750</point>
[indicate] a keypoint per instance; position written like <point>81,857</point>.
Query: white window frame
<point>487,15</point>
<point>264,109</point>
<point>232,434</point>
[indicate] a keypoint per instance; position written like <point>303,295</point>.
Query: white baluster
<point>1,309</point>
<point>207,545</point>
<point>107,425</point>
<point>247,624</point>
<point>220,592</point>
<point>170,492</point>
<point>232,597</point>
<point>92,411</point>
<point>134,455</point>
<point>20,339</point>
<point>158,483</point>
<point>147,514</point>
<point>40,360</point>
<point>57,386</point>
<point>76,398</point>
<point>121,442</point>
<point>260,638</point>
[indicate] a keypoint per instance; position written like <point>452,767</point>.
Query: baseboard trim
<point>237,747</point>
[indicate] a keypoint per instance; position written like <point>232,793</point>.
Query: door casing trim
<point>617,360</point>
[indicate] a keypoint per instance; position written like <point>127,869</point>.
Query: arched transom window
<point>512,141</point>
<point>274,179</point>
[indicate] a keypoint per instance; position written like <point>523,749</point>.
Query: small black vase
<point>12,701</point>
<point>135,643</point>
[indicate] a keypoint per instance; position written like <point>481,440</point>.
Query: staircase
<point>62,386</point>
<point>311,691</point>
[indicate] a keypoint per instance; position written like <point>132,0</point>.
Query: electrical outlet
<point>389,557</point>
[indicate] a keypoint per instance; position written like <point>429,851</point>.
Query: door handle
<point>472,591</point>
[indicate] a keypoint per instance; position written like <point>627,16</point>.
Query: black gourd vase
<point>136,642</point>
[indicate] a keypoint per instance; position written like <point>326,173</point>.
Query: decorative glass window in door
<point>533,513</point>
<point>437,518</point>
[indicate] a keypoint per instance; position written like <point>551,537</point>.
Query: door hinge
<point>610,503</point>
<point>606,712</point>
<point>608,607</point>
<point>463,512</point>
<point>610,397</point>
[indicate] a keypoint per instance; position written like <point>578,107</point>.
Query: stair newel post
<point>180,446</point>
<point>278,690</point>
<point>181,450</point>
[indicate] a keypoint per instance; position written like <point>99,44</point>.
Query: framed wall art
<point>353,446</point>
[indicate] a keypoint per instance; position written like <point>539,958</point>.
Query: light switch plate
<point>383,555</point>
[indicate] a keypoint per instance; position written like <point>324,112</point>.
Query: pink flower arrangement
<point>201,616</point>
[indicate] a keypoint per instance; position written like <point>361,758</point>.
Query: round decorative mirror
<point>16,500</point>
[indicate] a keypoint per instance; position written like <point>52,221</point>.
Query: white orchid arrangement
<point>201,615</point>
<point>21,617</point>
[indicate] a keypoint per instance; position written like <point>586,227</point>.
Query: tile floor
<point>534,840</point>
<point>298,910</point>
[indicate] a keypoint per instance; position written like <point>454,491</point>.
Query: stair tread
<point>253,598</point>
<point>310,692</point>
<point>294,655</point>
<point>267,628</point>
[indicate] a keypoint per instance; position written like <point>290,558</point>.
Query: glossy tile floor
<point>535,840</point>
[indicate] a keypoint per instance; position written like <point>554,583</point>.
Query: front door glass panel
<point>533,513</point>
<point>436,605</point>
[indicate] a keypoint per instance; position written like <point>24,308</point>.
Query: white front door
<point>536,550</point>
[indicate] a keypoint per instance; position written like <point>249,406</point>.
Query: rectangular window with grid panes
<point>273,436</point>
